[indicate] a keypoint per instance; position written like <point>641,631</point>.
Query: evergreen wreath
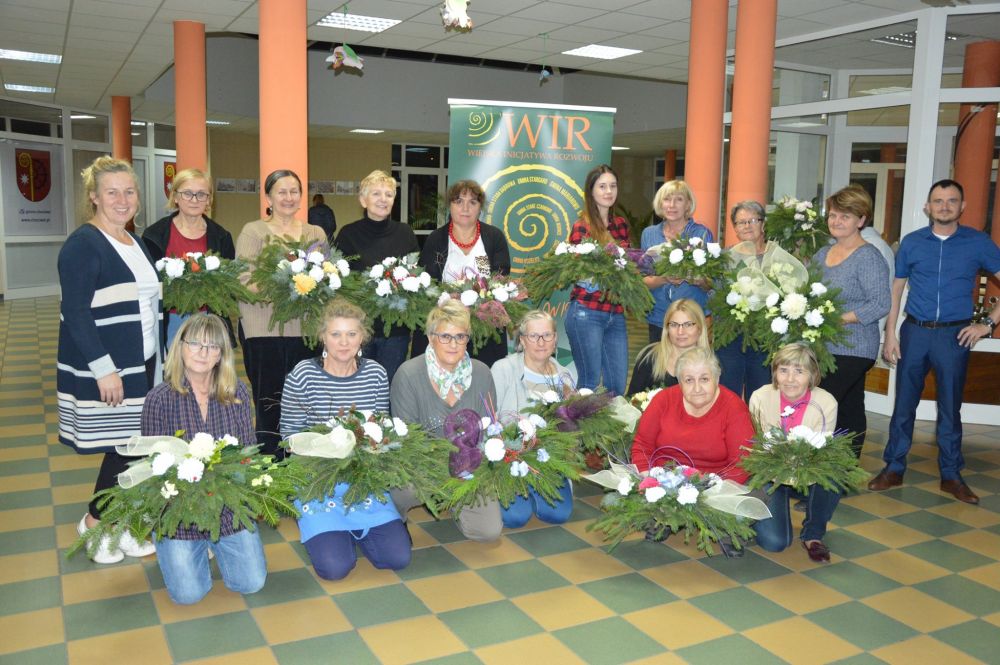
<point>496,303</point>
<point>199,281</point>
<point>399,292</point>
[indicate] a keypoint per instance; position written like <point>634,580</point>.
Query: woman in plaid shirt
<point>596,327</point>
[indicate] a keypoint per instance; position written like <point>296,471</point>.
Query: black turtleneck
<point>370,241</point>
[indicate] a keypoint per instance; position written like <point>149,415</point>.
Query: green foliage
<point>713,268</point>
<point>636,223</point>
<point>490,315</point>
<point>395,298</point>
<point>219,288</point>
<point>796,227</point>
<point>598,432</point>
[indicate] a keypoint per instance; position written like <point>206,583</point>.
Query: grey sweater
<point>414,399</point>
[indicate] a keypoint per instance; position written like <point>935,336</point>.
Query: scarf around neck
<point>444,381</point>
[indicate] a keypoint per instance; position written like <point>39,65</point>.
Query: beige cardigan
<point>820,415</point>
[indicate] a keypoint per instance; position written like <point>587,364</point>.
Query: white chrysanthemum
<point>494,449</point>
<point>583,392</point>
<point>817,289</point>
<point>383,288</point>
<point>399,273</point>
<point>193,255</point>
<point>732,298</point>
<point>343,267</point>
<point>687,494</point>
<point>316,272</point>
<point>168,490</point>
<point>500,294</point>
<point>400,427</point>
<point>561,248</point>
<point>373,432</point>
<point>160,264</point>
<point>694,242</point>
<point>190,469</point>
<point>542,455</point>
<point>376,272</point>
<point>794,306</point>
<point>714,248</point>
<point>334,280</point>
<point>802,206</point>
<point>772,300</point>
<point>410,283</point>
<point>676,256</point>
<point>814,318</point>
<point>202,446</point>
<point>298,265</point>
<point>654,494</point>
<point>443,298</point>
<point>700,257</point>
<point>519,469</point>
<point>799,217</point>
<point>212,262</point>
<point>469,297</point>
<point>586,247</point>
<point>424,279</point>
<point>779,325</point>
<point>625,486</point>
<point>550,397</point>
<point>537,420</point>
<point>162,463</point>
<point>389,261</point>
<point>174,268</point>
<point>807,226</point>
<point>810,436</point>
<point>527,428</point>
<point>315,258</point>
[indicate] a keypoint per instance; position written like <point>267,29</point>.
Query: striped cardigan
<point>100,331</point>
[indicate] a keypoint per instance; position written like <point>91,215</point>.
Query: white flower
<point>316,258</point>
<point>806,227</point>
<point>410,283</point>
<point>343,267</point>
<point>168,490</point>
<point>527,428</point>
<point>779,325</point>
<point>316,272</point>
<point>799,217</point>
<point>485,422</point>
<point>585,248</point>
<point>542,455</point>
<point>561,248</point>
<point>699,256</point>
<point>424,279</point>
<point>733,297</point>
<point>334,280</point>
<point>550,397</point>
<point>785,413</point>
<point>343,441</point>
<point>373,431</point>
<point>802,206</point>
<point>654,494</point>
<point>494,449</point>
<point>621,263</point>
<point>794,305</point>
<point>383,288</point>
<point>687,494</point>
<point>160,264</point>
<point>715,249</point>
<point>162,462</point>
<point>212,263</point>
<point>469,297</point>
<point>537,420</point>
<point>193,255</point>
<point>175,268</point>
<point>230,440</point>
<point>814,318</point>
<point>624,485</point>
<point>190,469</point>
<point>694,242</point>
<point>519,469</point>
<point>500,294</point>
<point>399,273</point>
<point>443,298</point>
<point>202,446</point>
<point>400,427</point>
<point>389,261</point>
<point>376,272</point>
<point>772,300</point>
<point>817,289</point>
<point>803,433</point>
<point>676,256</point>
<point>583,392</point>
<point>298,265</point>
<point>657,472</point>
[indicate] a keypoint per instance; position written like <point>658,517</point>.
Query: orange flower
<point>304,284</point>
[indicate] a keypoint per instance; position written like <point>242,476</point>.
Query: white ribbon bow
<point>337,444</point>
<point>146,446</point>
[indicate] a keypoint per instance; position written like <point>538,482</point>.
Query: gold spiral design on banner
<point>480,124</point>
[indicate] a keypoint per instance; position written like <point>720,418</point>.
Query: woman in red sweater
<point>698,422</point>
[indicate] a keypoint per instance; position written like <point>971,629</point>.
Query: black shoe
<point>653,538</point>
<point>730,550</point>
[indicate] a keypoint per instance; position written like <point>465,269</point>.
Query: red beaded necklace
<point>465,246</point>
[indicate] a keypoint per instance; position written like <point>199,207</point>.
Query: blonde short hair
<point>185,176</point>
<point>796,354</point>
<point>341,308</point>
<point>208,329</point>
<point>451,312</point>
<point>696,356</point>
<point>92,174</point>
<point>377,177</point>
<point>533,315</point>
<point>674,187</point>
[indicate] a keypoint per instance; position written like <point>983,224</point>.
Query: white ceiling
<point>119,47</point>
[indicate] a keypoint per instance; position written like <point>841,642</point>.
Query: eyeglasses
<point>445,338</point>
<point>195,347</point>
<point>747,222</point>
<point>687,325</point>
<point>188,195</point>
<point>535,338</point>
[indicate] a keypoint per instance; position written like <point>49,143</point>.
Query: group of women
<point>110,346</point>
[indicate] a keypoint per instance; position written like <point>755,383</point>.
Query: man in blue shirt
<point>941,263</point>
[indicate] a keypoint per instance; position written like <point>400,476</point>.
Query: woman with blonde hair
<point>686,328</point>
<point>188,229</point>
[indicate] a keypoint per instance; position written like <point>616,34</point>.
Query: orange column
<point>284,115</point>
<point>189,95</point>
<point>669,165</point>
<point>121,128</point>
<point>705,106</point>
<point>993,286</point>
<point>974,146</point>
<point>752,85</point>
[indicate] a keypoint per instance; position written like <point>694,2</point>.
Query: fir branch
<point>201,281</point>
<point>802,458</point>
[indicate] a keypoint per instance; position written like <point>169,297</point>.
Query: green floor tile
<point>930,523</point>
<point>285,586</point>
<point>269,535</point>
<point>30,595</point>
<point>847,544</point>
<point>69,513</point>
<point>583,511</point>
<point>642,554</point>
<point>348,647</point>
<point>431,561</point>
<point>443,531</point>
<point>213,636</point>
<point>752,567</point>
<point>947,555</point>
<point>8,399</point>
<point>977,638</point>
<point>846,515</point>
<point>101,617</point>
<point>963,593</point>
<point>74,477</point>
<point>728,649</point>
<point>609,642</point>
<point>464,658</point>
<point>25,499</point>
<point>27,540</point>
<point>547,541</point>
<point>628,593</point>
<point>851,579</point>
<point>915,496</point>
<point>25,466</point>
<point>860,659</point>
<point>490,623</point>
<point>740,608</point>
<point>982,483</point>
<point>380,605</point>
<point>861,625</point>
<point>973,463</point>
<point>53,654</point>
<point>30,419</point>
<point>991,503</point>
<point>517,579</point>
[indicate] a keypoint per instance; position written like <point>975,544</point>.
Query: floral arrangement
<point>399,292</point>
<point>590,417</point>
<point>675,498</point>
<point>642,399</point>
<point>605,269</point>
<point>373,452</point>
<point>179,484</point>
<point>690,259</point>
<point>299,280</point>
<point>499,461</point>
<point>796,227</point>
<point>199,281</point>
<point>496,303</point>
<point>803,457</point>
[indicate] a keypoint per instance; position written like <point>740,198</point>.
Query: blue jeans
<point>599,343</point>
<point>520,510</point>
<point>923,349</point>
<point>333,554</point>
<point>742,371</point>
<point>389,352</point>
<point>775,534</point>
<point>185,567</point>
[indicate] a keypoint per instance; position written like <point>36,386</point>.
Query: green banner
<point>532,161</point>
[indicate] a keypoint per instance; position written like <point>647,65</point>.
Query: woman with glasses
<point>463,248</point>
<point>201,393</point>
<point>522,378</point>
<point>187,229</point>
<point>655,365</point>
<point>675,203</point>
<point>444,380</point>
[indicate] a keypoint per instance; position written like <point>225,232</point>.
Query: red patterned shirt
<point>618,228</point>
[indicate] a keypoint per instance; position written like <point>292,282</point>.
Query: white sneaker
<point>104,553</point>
<point>132,547</point>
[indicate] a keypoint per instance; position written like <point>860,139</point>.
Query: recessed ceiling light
<point>367,131</point>
<point>217,123</point>
<point>136,134</point>
<point>356,22</point>
<point>602,52</point>
<point>16,87</point>
<point>28,56</point>
<point>620,147</point>
<point>82,116</point>
<point>909,39</point>
<point>138,123</point>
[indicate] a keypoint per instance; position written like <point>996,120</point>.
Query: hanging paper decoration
<point>543,75</point>
<point>344,56</point>
<point>454,14</point>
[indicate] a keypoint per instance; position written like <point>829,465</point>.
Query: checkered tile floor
<point>915,576</point>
